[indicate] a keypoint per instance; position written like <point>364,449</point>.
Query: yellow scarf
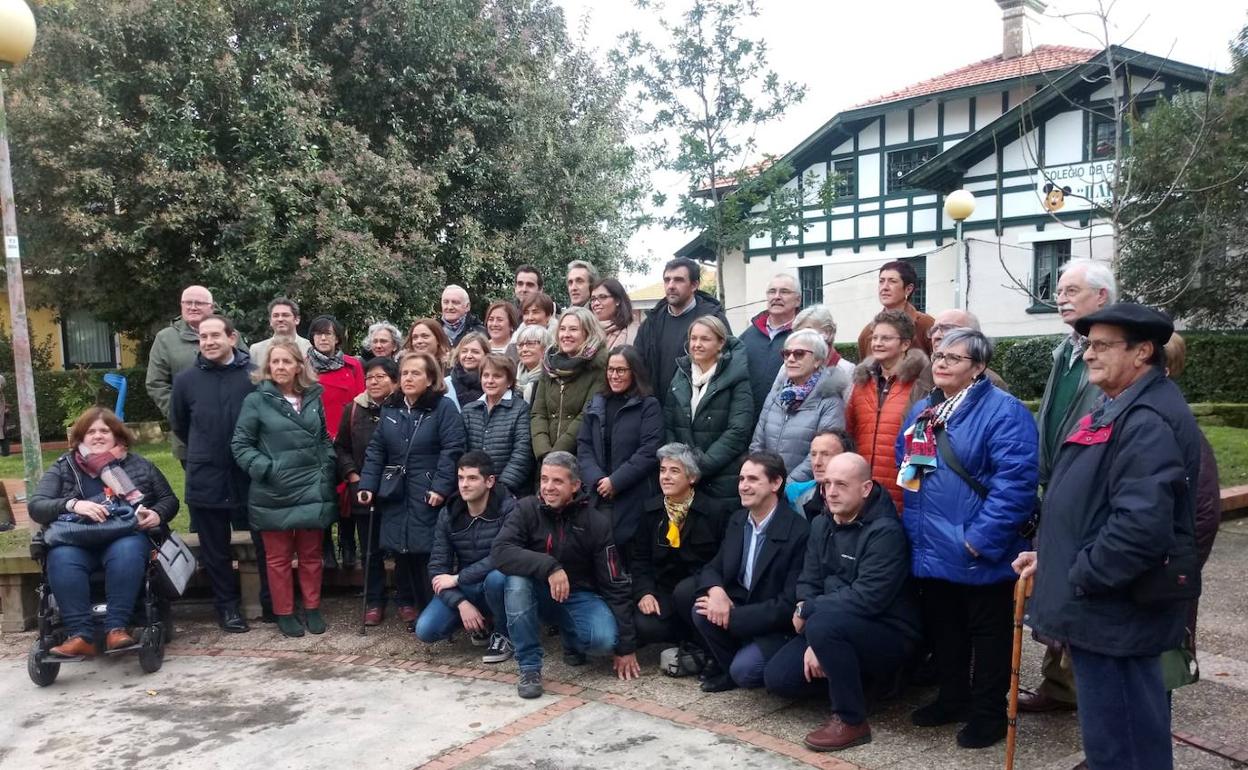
<point>677,511</point>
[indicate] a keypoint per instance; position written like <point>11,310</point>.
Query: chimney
<point>1019,20</point>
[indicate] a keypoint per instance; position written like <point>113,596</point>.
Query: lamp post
<point>959,205</point>
<point>17,37</point>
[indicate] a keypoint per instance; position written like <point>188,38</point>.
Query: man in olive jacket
<point>563,567</point>
<point>174,350</point>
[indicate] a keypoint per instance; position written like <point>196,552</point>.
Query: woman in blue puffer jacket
<point>964,519</point>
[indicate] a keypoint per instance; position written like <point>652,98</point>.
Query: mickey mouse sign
<point>1054,196</point>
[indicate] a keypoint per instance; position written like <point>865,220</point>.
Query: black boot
<point>232,621</point>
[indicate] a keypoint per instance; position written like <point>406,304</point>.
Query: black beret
<point>1154,325</point>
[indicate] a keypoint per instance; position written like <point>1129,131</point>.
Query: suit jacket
<point>763,613</point>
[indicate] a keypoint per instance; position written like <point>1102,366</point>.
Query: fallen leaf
<point>151,692</point>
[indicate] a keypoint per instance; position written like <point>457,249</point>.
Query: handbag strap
<point>950,459</point>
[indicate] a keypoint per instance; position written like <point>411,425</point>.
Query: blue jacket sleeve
<point>1014,471</point>
<point>644,461</point>
<point>442,557</point>
<point>515,475</point>
<point>591,469</point>
<point>453,439</point>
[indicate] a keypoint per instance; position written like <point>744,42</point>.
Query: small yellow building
<point>76,338</point>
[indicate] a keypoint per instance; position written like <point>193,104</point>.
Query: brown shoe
<point>408,613</point>
<point>373,616</point>
<point>1039,703</point>
<point>836,735</point>
<point>118,639</point>
<point>73,647</point>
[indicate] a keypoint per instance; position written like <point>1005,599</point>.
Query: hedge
<point>59,392</point>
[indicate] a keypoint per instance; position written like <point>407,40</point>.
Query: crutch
<point>1022,590</point>
<point>368,555</point>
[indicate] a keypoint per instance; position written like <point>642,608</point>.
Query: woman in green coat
<point>281,441</point>
<point>573,371</point>
<point>711,406</point>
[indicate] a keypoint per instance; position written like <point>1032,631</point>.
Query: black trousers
<point>371,554</point>
<point>214,530</point>
<point>411,579</point>
<point>673,623</point>
<point>971,629</point>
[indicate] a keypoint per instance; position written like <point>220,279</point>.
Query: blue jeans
<point>1124,712</point>
<point>438,620</point>
<point>744,661</point>
<point>585,622</point>
<point>69,572</point>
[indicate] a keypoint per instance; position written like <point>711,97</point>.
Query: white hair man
<point>457,317</point>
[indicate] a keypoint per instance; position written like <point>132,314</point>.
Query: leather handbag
<point>175,564</point>
<point>71,529</point>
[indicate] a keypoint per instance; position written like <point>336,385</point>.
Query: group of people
<point>794,520</point>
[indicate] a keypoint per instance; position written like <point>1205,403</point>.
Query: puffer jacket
<point>289,457</point>
<point>462,542</point>
<point>503,433</point>
<point>994,436</point>
<point>634,439</point>
<point>875,423</point>
<point>64,480</point>
<point>207,399</point>
<point>559,406</point>
<point>355,430</point>
<point>789,433</point>
<point>724,423</point>
<point>426,438</point>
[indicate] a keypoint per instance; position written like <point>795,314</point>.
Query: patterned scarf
<point>792,396</point>
<point>106,466</point>
<point>323,363</point>
<point>562,366</point>
<point>920,457</point>
<point>677,512</point>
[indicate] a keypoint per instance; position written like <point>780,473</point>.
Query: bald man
<point>855,613</point>
<point>960,319</point>
<point>457,318</point>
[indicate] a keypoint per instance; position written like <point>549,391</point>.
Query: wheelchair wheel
<point>151,650</point>
<point>41,672</point>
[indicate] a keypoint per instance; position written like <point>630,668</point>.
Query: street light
<point>959,205</point>
<point>17,38</point>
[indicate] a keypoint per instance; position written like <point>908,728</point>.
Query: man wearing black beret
<point>1112,567</point>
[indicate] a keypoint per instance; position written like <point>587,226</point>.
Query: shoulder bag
<point>393,486</point>
<point>1027,530</point>
<point>175,564</point>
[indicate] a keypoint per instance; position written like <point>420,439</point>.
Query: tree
<point>355,160</point>
<point>1190,254</point>
<point>707,89</point>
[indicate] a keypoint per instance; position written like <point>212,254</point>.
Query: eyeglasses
<point>377,378</point>
<point>1100,346</point>
<point>795,353</point>
<point>619,370</point>
<point>949,358</point>
<point>528,344</point>
<point>938,328</point>
<point>781,293</point>
<point>1068,291</point>
<point>600,298</point>
<point>196,303</point>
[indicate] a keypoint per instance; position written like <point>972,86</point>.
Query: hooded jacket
<point>662,338</point>
<point>207,400</point>
<point>763,352</point>
<point>789,433</point>
<point>537,541</point>
<point>720,431</point>
<point>878,407</point>
<point>634,439</point>
<point>462,542</point>
<point>289,457</point>
<point>505,434</point>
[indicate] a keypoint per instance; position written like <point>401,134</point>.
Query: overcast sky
<point>847,53</point>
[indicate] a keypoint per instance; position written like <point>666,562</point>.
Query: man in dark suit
<point>746,594</point>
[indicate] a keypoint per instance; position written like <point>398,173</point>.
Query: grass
<point>1230,446</point>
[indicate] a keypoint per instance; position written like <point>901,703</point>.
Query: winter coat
<point>430,435</point>
<point>174,350</point>
<point>763,613</point>
<point>289,457</point>
<point>993,435</point>
<point>875,423</point>
<point>634,438</point>
<point>559,406</point>
<point>835,361</point>
<point>1086,397</point>
<point>207,399</point>
<point>504,434</point>
<point>789,433</point>
<point>657,567</point>
<point>922,327</point>
<point>662,338</point>
<point>355,429</point>
<point>341,386</point>
<point>537,541</point>
<point>721,431</point>
<point>763,352</point>
<point>462,542</point>
<point>861,568</point>
<point>471,324</point>
<point>1123,492</point>
<point>64,480</point>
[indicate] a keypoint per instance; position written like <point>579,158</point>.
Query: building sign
<point>1076,186</point>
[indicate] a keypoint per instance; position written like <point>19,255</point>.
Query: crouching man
<point>855,616</point>
<point>563,568</point>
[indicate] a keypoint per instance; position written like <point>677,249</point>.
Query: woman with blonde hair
<point>573,371</point>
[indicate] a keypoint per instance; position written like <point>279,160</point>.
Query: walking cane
<point>1022,590</point>
<point>368,554</point>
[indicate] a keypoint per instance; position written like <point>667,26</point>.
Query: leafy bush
<point>1024,363</point>
<point>61,396</point>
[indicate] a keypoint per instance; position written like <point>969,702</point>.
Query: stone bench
<point>1234,502</point>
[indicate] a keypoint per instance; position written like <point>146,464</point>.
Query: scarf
<point>323,363</point>
<point>920,456</point>
<point>562,366</point>
<point>699,379</point>
<point>793,396</point>
<point>453,329</point>
<point>106,466</point>
<point>525,378</point>
<point>677,512</point>
<point>467,384</point>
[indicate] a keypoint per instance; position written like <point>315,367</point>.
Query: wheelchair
<point>152,619</point>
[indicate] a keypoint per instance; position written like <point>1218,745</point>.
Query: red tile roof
<point>1043,58</point>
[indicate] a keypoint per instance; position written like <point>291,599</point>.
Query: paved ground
<point>386,700</point>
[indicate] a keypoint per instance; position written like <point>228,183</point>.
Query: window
<point>1049,258</point>
<point>919,297</point>
<point>810,280</point>
<point>846,172</point>
<point>87,341</point>
<point>902,162</point>
<point>1101,141</point>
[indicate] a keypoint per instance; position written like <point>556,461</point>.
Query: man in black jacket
<point>855,612</point>
<point>203,408</point>
<point>563,567</point>
<point>662,337</point>
<point>1117,539</point>
<point>746,593</point>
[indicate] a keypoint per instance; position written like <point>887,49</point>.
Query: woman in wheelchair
<point>94,481</point>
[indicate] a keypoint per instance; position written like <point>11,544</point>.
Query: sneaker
<point>499,651</point>
<point>315,622</point>
<point>480,638</point>
<point>574,659</point>
<point>530,684</point>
